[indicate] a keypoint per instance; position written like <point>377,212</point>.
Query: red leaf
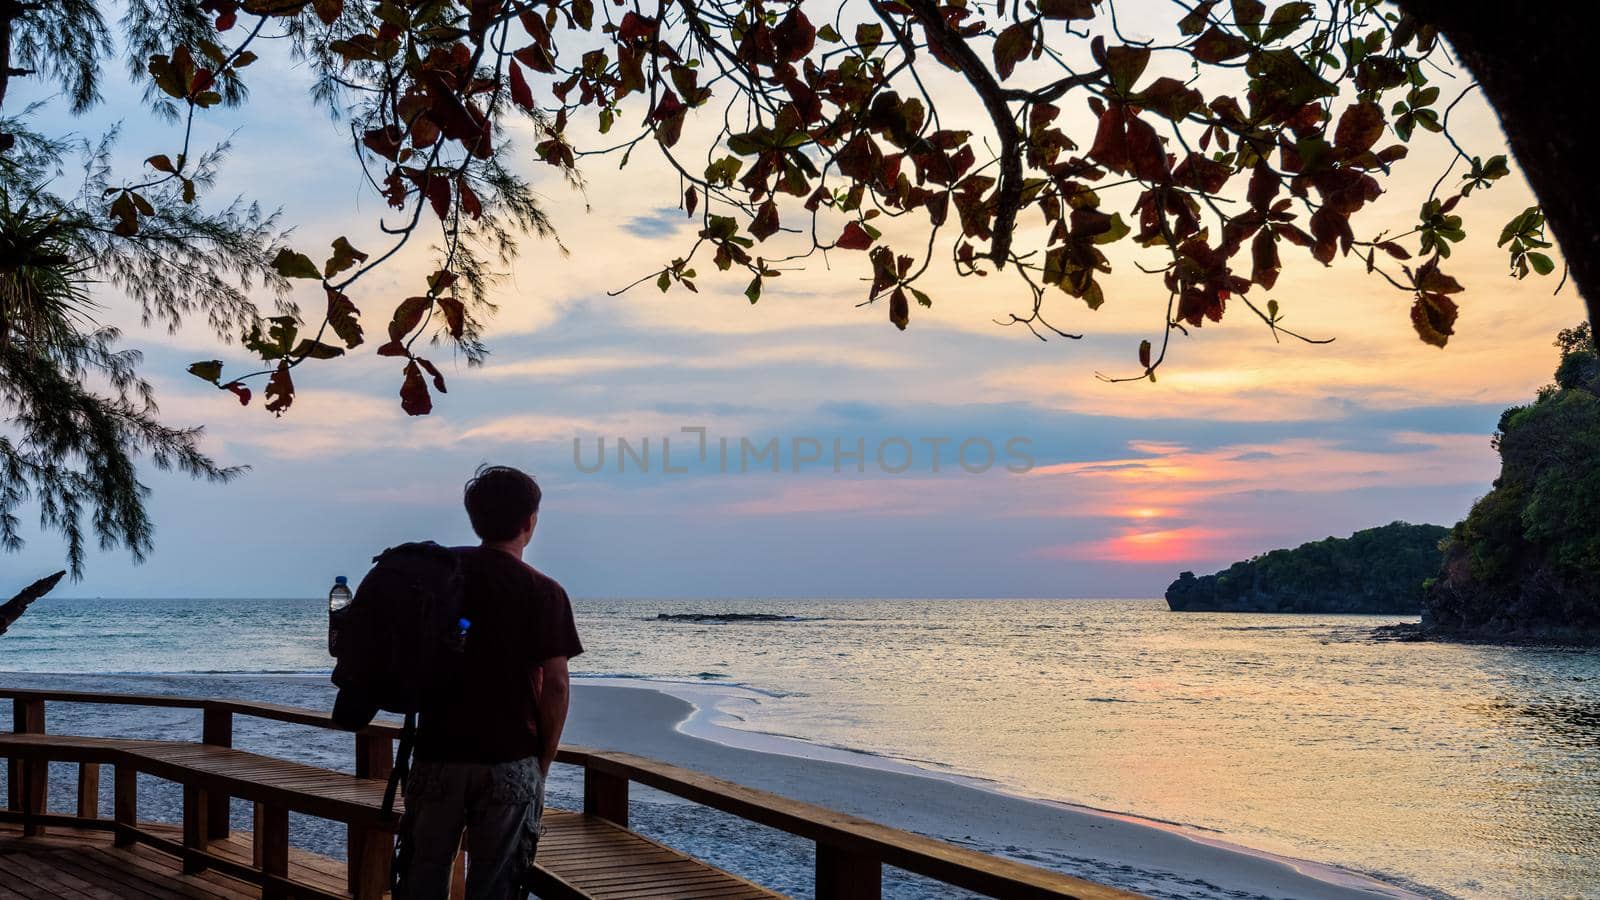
<point>1394,250</point>
<point>342,315</point>
<point>1013,44</point>
<point>441,280</point>
<point>899,309</point>
<point>439,195</point>
<point>1359,127</point>
<point>854,238</point>
<point>393,348</point>
<point>414,397</point>
<point>407,315</point>
<point>240,391</point>
<point>384,141</point>
<point>1110,147</point>
<point>521,94</point>
<point>794,37</point>
<point>766,221</point>
<point>691,198</point>
<point>438,380</point>
<point>280,389</point>
<point>1434,318</point>
<point>1264,257</point>
<point>455,316</point>
<point>328,10</point>
<point>470,204</point>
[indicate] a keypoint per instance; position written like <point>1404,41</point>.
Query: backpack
<point>399,644</point>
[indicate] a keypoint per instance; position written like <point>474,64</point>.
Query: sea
<point>1452,770</point>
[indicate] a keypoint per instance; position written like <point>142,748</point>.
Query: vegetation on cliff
<point>1525,563</point>
<point>1378,570</point>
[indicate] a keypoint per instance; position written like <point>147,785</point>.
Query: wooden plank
<point>46,880</point>
<point>88,790</point>
<point>103,878</point>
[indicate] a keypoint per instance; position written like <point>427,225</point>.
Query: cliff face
<point>1379,570</point>
<point>1525,563</point>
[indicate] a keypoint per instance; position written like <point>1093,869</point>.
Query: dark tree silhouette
<point>1217,145</point>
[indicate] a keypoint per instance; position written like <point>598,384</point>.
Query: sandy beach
<point>1091,843</point>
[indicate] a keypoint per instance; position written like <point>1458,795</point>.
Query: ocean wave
<point>719,681</point>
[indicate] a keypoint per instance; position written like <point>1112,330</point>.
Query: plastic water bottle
<point>338,599</point>
<point>458,642</point>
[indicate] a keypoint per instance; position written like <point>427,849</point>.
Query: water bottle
<point>458,642</point>
<point>338,599</point>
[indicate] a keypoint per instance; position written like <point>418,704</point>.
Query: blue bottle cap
<point>464,624</point>
<point>341,580</point>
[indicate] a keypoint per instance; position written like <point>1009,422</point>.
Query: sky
<point>988,463</point>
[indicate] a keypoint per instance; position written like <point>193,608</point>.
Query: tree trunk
<point>1535,63</point>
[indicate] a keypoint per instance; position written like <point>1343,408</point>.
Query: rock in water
<point>1379,570</point>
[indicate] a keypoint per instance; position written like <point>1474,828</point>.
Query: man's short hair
<point>499,501</point>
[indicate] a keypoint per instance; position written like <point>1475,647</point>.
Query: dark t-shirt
<point>520,618</point>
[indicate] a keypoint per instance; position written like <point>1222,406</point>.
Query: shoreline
<point>1191,853</point>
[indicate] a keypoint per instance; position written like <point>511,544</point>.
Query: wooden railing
<point>850,852</point>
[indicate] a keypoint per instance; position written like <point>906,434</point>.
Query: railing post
<point>374,755</point>
<point>216,729</point>
<point>272,849</point>
<point>843,875</point>
<point>196,809</point>
<point>125,803</point>
<point>369,851</point>
<point>28,781</point>
<point>605,795</point>
<point>88,790</point>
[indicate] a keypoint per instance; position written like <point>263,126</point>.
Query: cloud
<point>1131,545</point>
<point>662,223</point>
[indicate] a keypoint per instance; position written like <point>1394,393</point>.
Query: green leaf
<point>1011,47</point>
<point>1124,65</point>
<point>290,264</point>
<point>753,290</point>
<point>869,35</point>
<point>344,256</point>
<point>315,350</point>
<point>208,370</point>
<point>1115,231</point>
<point>1541,263</point>
<point>1286,19</point>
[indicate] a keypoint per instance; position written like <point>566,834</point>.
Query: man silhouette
<point>483,752</point>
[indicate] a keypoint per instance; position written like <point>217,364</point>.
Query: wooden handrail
<point>851,851</point>
<point>276,712</point>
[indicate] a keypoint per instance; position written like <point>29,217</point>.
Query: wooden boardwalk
<point>587,854</point>
<point>589,858</point>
